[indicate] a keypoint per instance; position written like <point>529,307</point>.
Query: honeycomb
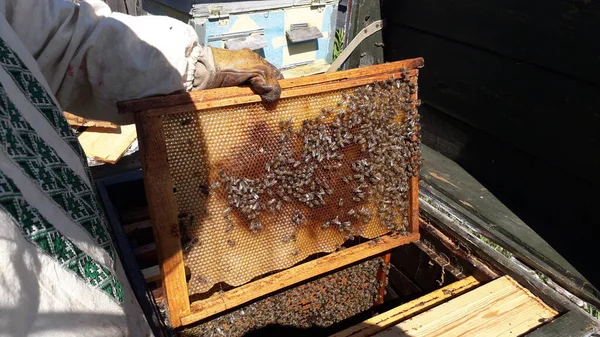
<point>260,188</point>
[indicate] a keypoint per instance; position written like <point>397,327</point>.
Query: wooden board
<point>163,212</point>
<point>107,147</point>
<point>74,120</point>
<point>499,308</point>
<point>384,320</point>
<point>500,224</point>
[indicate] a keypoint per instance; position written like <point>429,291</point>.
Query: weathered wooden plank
<point>499,308</point>
<point>163,213</point>
<point>75,120</point>
<point>472,264</point>
<point>107,147</point>
<point>537,111</point>
<point>444,216</point>
<point>502,226</point>
<point>302,272</point>
<point>388,318</point>
<point>557,38</point>
<point>571,324</point>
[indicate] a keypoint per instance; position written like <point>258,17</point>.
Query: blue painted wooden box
<point>267,21</point>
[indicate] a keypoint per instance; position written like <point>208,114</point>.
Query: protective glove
<point>235,67</point>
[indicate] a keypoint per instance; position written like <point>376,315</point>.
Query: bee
<point>255,225</point>
<point>190,244</point>
<point>336,221</point>
<point>298,218</point>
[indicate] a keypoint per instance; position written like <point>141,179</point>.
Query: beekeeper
<point>60,274</point>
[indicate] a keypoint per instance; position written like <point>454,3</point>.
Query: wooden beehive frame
<point>162,204</point>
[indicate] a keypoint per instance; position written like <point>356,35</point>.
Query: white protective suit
<point>60,274</point>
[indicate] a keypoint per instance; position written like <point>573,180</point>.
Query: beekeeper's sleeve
<point>93,58</point>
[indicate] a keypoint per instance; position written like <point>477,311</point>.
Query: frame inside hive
<point>153,114</point>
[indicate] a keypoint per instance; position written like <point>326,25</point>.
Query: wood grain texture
<point>107,147</point>
<point>189,99</point>
<point>382,276</point>
<point>388,318</point>
<point>499,308</point>
<point>75,120</point>
<point>302,272</point>
<point>163,213</point>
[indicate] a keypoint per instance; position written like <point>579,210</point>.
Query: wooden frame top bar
<point>193,97</point>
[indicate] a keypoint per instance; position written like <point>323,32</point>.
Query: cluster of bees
<point>378,122</point>
<point>319,303</point>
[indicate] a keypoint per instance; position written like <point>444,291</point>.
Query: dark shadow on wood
<point>519,111</point>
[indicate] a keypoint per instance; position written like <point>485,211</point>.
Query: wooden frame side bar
<point>413,204</point>
<point>382,278</point>
<point>305,271</point>
<point>382,321</point>
<point>163,213</point>
<point>211,94</point>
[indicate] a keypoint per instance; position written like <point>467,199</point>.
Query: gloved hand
<point>235,67</point>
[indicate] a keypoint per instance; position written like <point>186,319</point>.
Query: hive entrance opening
<point>260,189</point>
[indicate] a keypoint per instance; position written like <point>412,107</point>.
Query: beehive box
<point>239,189</point>
<point>316,305</point>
